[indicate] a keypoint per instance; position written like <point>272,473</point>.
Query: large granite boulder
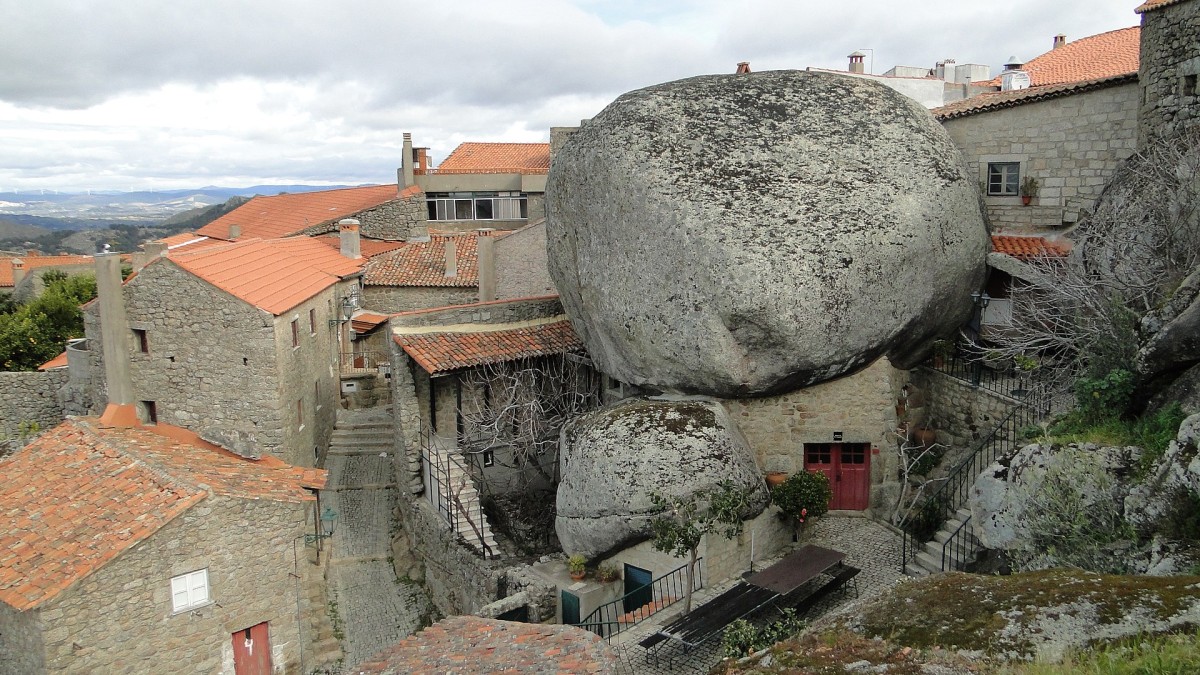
<point>752,234</point>
<point>1170,338</point>
<point>613,459</point>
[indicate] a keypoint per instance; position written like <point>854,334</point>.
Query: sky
<point>148,94</point>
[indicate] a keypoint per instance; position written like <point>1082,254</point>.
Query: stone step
<point>914,570</point>
<point>381,432</point>
<point>359,450</point>
<point>935,549</point>
<point>930,563</point>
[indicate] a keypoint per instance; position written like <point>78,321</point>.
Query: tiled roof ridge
<point>1151,5</point>
<point>997,100</point>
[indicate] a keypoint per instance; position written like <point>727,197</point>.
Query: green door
<point>570,608</point>
<point>638,591</point>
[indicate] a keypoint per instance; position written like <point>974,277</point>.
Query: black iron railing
<point>979,372</point>
<point>959,547</point>
<point>446,480</point>
<point>611,618</point>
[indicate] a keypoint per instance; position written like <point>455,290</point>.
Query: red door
<point>848,468</point>
<point>252,651</point>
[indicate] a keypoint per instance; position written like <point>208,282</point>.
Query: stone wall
<point>120,619</point>
<point>961,414</point>
<point>521,270</point>
<point>1170,52</point>
<point>1071,144</point>
<point>30,397</point>
<point>393,299</point>
<point>862,407</point>
<point>398,219</point>
<point>21,648</point>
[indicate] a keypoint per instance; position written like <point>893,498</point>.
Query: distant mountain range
<point>84,210</point>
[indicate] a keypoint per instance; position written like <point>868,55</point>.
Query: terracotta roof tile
<point>447,351</point>
<point>527,158</point>
<point>1089,58</point>
<point>472,644</point>
<point>423,263</point>
<point>368,247</point>
<point>188,240</point>
<point>35,261</point>
<point>273,274</point>
<point>59,361</point>
<point>365,322</point>
<point>1027,248</point>
<point>997,100</point>
<point>80,494</point>
<point>1150,5</point>
<point>290,214</point>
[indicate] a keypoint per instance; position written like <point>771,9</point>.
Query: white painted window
<point>1003,178</point>
<point>189,590</point>
<point>477,206</point>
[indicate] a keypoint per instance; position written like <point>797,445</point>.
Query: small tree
<point>687,519</point>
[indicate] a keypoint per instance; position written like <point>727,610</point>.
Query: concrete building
<point>239,342</point>
<point>1169,67</point>
<point>148,550</point>
<point>931,87</point>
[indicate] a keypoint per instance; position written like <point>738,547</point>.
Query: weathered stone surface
<point>749,235</point>
<point>1178,469</point>
<point>1171,334</point>
<point>613,459</point>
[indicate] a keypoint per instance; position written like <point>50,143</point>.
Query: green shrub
<point>804,495</point>
<point>742,637</point>
<point>1106,397</point>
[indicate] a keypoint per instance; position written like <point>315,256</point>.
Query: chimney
<point>485,249</point>
<point>422,160</point>
<point>114,336</point>
<point>856,62</point>
<point>351,245</point>
<point>407,166</point>
<point>1013,63</point>
<point>1059,40</point>
<point>150,251</point>
<point>451,257</point>
<point>32,253</point>
<point>743,68</point>
<point>18,270</point>
<point>235,231</point>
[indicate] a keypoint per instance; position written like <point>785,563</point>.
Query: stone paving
<point>374,609</point>
<point>868,545</point>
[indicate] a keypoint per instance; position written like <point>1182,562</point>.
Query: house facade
<point>144,550</point>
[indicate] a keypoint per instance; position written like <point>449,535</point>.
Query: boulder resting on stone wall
<point>753,234</point>
<point>613,459</point>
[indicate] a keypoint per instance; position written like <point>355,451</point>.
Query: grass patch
<point>1160,655</point>
<point>1152,432</point>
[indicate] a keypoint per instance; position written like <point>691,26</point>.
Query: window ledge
<point>193,608</point>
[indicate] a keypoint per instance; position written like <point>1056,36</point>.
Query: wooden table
<point>797,568</point>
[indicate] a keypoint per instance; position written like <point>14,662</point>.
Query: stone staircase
<point>323,650</point>
<point>459,497</point>
<point>928,559</point>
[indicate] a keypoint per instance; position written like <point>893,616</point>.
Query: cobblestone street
<point>868,545</point>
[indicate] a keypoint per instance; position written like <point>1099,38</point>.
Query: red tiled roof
<point>1028,248</point>
<point>59,361</point>
<point>189,240</point>
<point>369,248</point>
<point>1150,5</point>
<point>444,352</point>
<point>997,100</point>
<point>80,494</point>
<point>1089,58</point>
<point>274,274</point>
<point>34,261</point>
<point>423,263</point>
<point>462,644</point>
<point>289,214</point>
<point>365,322</point>
<point>529,158</point>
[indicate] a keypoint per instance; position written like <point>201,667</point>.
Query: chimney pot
<point>351,244</point>
<point>856,62</point>
<point>407,161</point>
<point>235,231</point>
<point>743,68</point>
<point>1059,40</point>
<point>451,257</point>
<point>18,270</point>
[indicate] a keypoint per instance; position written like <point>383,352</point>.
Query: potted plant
<point>804,495</point>
<point>606,573</point>
<point>1029,189</point>
<point>775,478</point>
<point>577,566</point>
<point>942,349</point>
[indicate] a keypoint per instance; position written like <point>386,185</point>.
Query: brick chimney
<point>18,270</point>
<point>351,244</point>
<point>1059,40</point>
<point>451,257</point>
<point>235,231</point>
<point>407,161</point>
<point>743,68</point>
<point>856,62</point>
<point>485,248</point>
<point>114,337</point>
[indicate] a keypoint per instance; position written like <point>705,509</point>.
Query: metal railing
<point>446,478</point>
<point>974,370</point>
<point>611,618</point>
<point>959,547</point>
<point>364,362</point>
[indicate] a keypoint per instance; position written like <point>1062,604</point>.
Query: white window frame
<point>1004,175</point>
<point>193,588</point>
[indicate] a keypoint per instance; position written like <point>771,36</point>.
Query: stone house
<point>21,276</point>
<point>440,271</point>
<point>239,342</point>
<point>1169,67</point>
<point>521,269</point>
<point>146,549</point>
<point>1069,131</point>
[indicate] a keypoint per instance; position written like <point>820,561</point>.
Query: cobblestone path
<point>373,608</point>
<point>868,545</point>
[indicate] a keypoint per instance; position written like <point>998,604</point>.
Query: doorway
<point>638,591</point>
<point>848,468</point>
<point>252,651</point>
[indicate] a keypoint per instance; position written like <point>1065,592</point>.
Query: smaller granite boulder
<point>613,459</point>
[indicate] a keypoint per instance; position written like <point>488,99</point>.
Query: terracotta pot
<point>923,435</point>
<point>578,575</point>
<point>1025,199</point>
<point>775,478</point>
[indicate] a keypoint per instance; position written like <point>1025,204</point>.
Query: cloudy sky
<point>151,94</point>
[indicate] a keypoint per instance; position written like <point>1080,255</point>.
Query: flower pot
<point>923,435</point>
<point>775,478</point>
<point>579,575</point>
<point>1026,199</point>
